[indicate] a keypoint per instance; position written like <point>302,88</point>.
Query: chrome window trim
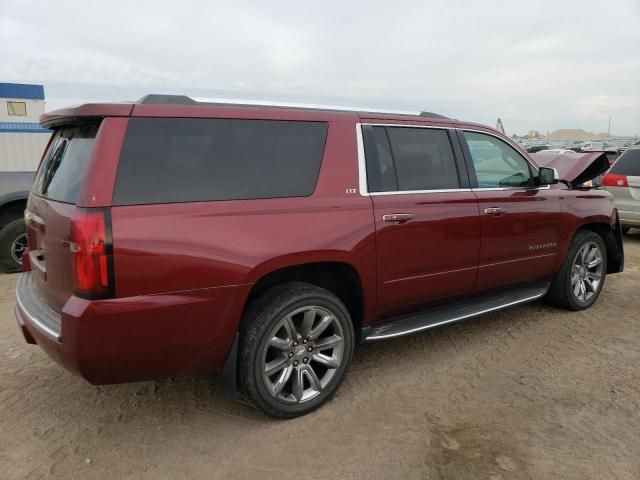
<point>409,125</point>
<point>500,189</point>
<point>413,192</point>
<point>362,165</point>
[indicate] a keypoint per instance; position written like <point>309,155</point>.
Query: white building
<point>22,139</point>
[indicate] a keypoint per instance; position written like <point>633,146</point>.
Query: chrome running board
<point>435,317</point>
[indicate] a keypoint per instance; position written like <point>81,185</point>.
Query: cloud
<point>535,65</point>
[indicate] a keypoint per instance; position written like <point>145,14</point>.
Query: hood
<point>574,168</point>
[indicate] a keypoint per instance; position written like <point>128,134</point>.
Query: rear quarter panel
<point>180,247</point>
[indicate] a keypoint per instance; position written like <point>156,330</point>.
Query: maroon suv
<point>172,237</point>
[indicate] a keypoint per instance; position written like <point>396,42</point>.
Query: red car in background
<point>172,237</point>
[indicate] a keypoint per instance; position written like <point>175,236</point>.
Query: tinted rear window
<point>65,163</point>
<point>409,159</point>
<point>628,163</point>
<point>166,160</point>
<point>423,158</point>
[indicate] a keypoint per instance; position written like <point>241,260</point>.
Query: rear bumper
<point>136,338</point>
<point>629,218</point>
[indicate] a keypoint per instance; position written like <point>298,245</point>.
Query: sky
<point>536,64</point>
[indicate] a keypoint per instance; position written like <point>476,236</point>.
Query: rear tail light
<point>91,253</point>
<point>614,180</point>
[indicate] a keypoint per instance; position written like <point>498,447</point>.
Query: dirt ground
<point>526,393</point>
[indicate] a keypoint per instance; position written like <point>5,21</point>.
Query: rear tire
<point>296,346</point>
<point>12,244</point>
<point>581,278</point>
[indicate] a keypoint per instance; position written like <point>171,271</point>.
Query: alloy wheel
<point>18,247</point>
<point>302,354</point>
<point>586,273</point>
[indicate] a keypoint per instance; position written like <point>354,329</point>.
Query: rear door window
<point>65,163</point>
<point>409,159</point>
<point>628,164</point>
<point>167,160</point>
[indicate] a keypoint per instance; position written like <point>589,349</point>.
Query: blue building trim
<point>22,127</point>
<point>22,90</point>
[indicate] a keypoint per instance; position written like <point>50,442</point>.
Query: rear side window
<point>628,164</point>
<point>409,159</point>
<point>167,160</point>
<point>65,163</point>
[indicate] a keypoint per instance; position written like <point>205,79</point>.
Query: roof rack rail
<point>433,115</point>
<point>160,99</point>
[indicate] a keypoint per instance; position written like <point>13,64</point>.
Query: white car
<point>623,182</point>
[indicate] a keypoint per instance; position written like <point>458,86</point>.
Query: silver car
<point>623,181</point>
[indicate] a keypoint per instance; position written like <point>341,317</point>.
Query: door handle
<point>397,217</point>
<point>494,211</point>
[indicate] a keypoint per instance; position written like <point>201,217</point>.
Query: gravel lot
<point>530,392</point>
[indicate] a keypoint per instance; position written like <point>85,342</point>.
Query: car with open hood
<point>261,242</point>
<point>575,169</point>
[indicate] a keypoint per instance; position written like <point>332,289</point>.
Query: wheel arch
<point>340,277</point>
<point>611,235</point>
<point>11,204</point>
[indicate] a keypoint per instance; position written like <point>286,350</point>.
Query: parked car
<point>557,151</point>
<point>537,148</point>
<point>589,146</point>
<point>173,237</point>
<point>14,191</point>
<point>623,182</point>
<point>22,141</point>
<point>568,160</point>
<point>611,153</point>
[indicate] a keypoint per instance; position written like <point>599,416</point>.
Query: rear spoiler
<point>84,113</point>
<point>574,169</point>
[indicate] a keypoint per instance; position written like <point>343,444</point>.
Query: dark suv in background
<point>173,237</point>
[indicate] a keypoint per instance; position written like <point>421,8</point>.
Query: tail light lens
<point>614,180</point>
<point>91,253</point>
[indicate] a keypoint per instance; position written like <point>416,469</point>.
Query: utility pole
<point>609,128</point>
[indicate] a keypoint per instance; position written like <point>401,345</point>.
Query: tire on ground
<point>261,317</point>
<point>8,234</point>
<point>560,293</point>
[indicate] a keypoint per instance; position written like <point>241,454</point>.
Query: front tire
<point>581,278</point>
<point>296,346</point>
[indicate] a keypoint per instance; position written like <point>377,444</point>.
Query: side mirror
<point>548,176</point>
